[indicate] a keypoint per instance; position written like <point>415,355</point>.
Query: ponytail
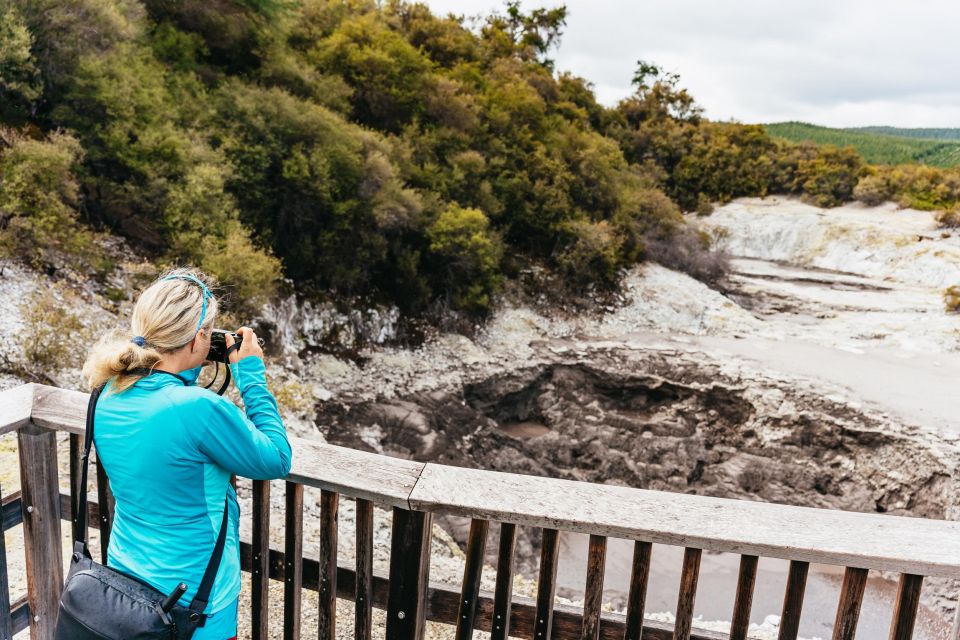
<point>117,358</point>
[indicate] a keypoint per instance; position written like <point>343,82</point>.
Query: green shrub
<point>249,274</point>
<point>872,190</point>
<point>704,206</point>
<point>949,219</point>
<point>951,299</point>
<point>828,179</point>
<point>39,196</point>
<point>591,253</point>
<point>51,330</point>
<point>689,250</point>
<point>468,254</point>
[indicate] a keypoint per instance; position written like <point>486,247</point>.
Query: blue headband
<point>203,288</point>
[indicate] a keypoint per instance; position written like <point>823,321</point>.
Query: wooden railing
<point>859,542</point>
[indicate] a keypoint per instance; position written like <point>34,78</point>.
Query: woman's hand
<point>249,347</point>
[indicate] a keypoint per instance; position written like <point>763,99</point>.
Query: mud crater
<point>654,421</point>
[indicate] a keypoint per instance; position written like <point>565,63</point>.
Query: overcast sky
<point>831,62</point>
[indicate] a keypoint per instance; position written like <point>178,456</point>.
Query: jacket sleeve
<point>254,445</point>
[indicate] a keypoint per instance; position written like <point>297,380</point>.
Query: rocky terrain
<point>821,375</point>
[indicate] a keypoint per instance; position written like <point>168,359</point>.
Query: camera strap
<point>226,369</point>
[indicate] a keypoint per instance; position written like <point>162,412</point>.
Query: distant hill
<point>929,134</point>
<point>881,145</point>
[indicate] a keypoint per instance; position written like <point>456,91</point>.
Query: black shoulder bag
<point>100,603</point>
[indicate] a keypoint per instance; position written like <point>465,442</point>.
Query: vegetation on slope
<point>880,145</point>
<point>924,133</point>
<point>366,148</point>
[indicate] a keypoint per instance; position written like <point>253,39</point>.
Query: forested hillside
<point>930,133</point>
<point>360,149</point>
<point>880,145</point>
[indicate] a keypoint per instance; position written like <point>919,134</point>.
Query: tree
<point>20,85</point>
<point>469,257</point>
<point>530,36</point>
<point>39,196</point>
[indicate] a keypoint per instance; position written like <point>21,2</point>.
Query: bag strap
<point>200,600</point>
<point>80,518</point>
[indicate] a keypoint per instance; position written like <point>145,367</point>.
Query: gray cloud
<point>833,62</point>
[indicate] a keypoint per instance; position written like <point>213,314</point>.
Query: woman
<point>169,447</point>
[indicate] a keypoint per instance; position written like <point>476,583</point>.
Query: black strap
<point>200,600</point>
<point>216,372</point>
<point>226,369</point>
<point>209,575</point>
<point>80,518</point>
<point>226,380</point>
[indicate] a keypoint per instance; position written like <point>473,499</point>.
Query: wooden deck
<point>860,542</point>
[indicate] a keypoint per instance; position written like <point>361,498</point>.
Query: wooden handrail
<point>864,540</point>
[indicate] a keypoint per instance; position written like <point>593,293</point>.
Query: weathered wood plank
<point>358,474</point>
<point>740,622</point>
<point>443,604</point>
<point>874,541</point>
<point>6,619</point>
<point>687,595</point>
<point>20,615</point>
<point>363,593</point>
<point>327,615</point>
<point>848,609</point>
<point>60,409</point>
<point>409,574</point>
<point>547,583</point>
<point>106,503</point>
<point>503,590</point>
<point>260,564</point>
<point>41,527</point>
<point>637,598</point>
<point>10,513</point>
<point>293,569</point>
<point>16,405</point>
<point>593,589</point>
<point>793,600</point>
<point>472,571</point>
<point>905,607</point>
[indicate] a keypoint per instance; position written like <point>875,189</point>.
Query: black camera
<point>218,344</point>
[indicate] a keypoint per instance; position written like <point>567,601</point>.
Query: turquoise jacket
<point>169,449</point>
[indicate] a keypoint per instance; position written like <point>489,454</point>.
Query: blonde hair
<point>167,315</point>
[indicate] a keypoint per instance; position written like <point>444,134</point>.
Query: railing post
<point>409,574</point>
<point>293,562</point>
<point>6,620</point>
<point>41,527</point>
<point>260,565</point>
